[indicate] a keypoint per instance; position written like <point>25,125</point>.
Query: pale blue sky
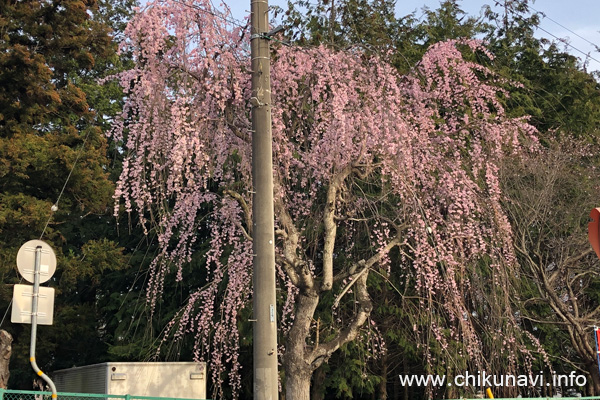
<point>580,16</point>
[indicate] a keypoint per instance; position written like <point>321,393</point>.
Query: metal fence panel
<point>539,398</point>
<point>6,394</point>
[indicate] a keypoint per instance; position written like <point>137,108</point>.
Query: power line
<point>225,18</point>
<point>564,41</point>
<point>588,55</point>
<point>564,27</point>
<point>53,209</point>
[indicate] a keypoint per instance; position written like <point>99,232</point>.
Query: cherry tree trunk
<point>297,386</point>
<point>383,395</point>
<point>318,382</point>
<point>297,362</point>
<point>5,352</point>
<point>593,379</point>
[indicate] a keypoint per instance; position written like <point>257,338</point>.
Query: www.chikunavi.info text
<point>483,379</point>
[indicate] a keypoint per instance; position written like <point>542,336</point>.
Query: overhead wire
<point>222,16</point>
<point>53,209</point>
<point>236,22</point>
<point>562,40</point>
<point>565,42</point>
<point>564,27</point>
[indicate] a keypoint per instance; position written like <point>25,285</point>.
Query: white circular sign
<point>26,260</point>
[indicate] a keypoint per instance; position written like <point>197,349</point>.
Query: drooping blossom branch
<point>365,161</point>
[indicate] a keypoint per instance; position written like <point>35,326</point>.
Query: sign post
<point>40,256</point>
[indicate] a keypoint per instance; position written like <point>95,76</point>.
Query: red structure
<point>594,230</point>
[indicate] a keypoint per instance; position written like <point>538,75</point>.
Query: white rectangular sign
<point>22,302</point>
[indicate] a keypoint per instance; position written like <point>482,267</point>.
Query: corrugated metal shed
<point>157,379</point>
<point>88,379</point>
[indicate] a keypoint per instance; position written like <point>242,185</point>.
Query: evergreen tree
<point>53,151</point>
<point>557,92</point>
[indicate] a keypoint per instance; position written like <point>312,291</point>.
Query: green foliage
<point>563,100</point>
<point>558,93</point>
<point>374,26</point>
<point>367,23</point>
<point>548,199</point>
<point>52,113</point>
<point>52,117</point>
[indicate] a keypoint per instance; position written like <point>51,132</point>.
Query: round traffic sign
<point>26,260</point>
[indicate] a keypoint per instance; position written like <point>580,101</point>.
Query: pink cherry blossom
<point>365,160</point>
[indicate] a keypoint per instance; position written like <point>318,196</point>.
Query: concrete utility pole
<point>265,318</point>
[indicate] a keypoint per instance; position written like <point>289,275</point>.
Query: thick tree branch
<point>295,348</point>
<point>289,270</point>
<point>229,116</point>
<point>321,353</point>
<point>245,208</point>
<point>365,266</point>
<point>331,227</point>
<point>294,264</point>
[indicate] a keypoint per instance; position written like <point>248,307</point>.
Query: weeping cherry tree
<point>372,171</point>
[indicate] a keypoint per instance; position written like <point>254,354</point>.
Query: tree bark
<point>297,385</point>
<point>301,359</point>
<point>5,352</point>
<point>318,381</point>
<point>594,379</point>
<point>406,371</point>
<point>298,371</point>
<point>383,395</point>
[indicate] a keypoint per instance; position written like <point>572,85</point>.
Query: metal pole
<point>265,325</point>
<point>34,310</point>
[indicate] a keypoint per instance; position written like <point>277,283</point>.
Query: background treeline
<point>54,114</point>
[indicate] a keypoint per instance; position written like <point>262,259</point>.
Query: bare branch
<point>229,119</point>
<point>294,263</point>
<point>245,209</point>
<point>322,353</point>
